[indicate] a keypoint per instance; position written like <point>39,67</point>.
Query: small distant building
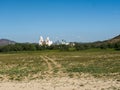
<point>72,44</point>
<point>45,42</point>
<point>64,42</point>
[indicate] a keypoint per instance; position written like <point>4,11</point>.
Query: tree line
<point>76,47</point>
<point>100,45</point>
<point>32,47</point>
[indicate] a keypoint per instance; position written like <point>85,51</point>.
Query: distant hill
<point>6,42</point>
<point>114,40</point>
<point>109,41</point>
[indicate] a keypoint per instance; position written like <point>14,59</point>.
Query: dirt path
<point>50,68</point>
<point>53,61</point>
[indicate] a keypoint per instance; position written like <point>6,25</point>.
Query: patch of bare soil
<point>64,83</point>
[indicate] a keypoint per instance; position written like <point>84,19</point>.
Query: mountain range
<point>111,41</point>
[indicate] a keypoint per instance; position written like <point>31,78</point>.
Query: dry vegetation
<point>47,65</point>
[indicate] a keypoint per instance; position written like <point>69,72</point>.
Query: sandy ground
<point>63,83</point>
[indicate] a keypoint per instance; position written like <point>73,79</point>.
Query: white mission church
<point>45,42</point>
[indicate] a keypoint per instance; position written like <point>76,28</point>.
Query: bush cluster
<point>77,47</point>
<point>32,47</point>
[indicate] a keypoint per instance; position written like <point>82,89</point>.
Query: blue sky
<point>72,20</point>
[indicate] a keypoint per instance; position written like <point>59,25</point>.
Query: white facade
<point>45,42</point>
<point>48,42</point>
<point>41,40</point>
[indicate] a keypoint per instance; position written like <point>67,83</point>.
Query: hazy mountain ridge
<point>114,40</point>
<point>111,41</point>
<point>6,42</point>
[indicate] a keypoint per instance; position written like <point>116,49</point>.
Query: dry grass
<point>39,65</point>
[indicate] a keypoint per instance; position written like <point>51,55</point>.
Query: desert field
<point>59,70</point>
